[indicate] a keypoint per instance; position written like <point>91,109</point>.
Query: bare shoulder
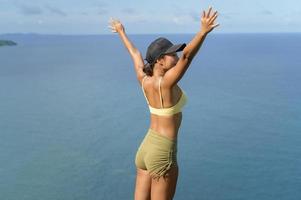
<point>140,79</point>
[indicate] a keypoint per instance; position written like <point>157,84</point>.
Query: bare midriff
<point>166,125</point>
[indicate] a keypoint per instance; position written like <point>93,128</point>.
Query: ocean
<point>72,116</point>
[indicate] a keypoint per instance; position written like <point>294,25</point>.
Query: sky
<point>147,17</point>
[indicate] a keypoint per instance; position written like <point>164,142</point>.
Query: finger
<point>112,24</point>
<point>213,15</point>
<point>113,30</point>
<point>208,14</point>
<point>117,21</point>
<point>215,25</point>
<point>113,20</point>
<point>112,27</point>
<point>204,13</point>
<point>213,18</point>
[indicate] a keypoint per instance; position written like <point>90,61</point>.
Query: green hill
<point>7,43</point>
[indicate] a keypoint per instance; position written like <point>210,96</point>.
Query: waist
<point>167,126</point>
<point>156,138</point>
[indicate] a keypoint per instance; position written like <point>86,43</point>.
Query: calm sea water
<point>72,117</point>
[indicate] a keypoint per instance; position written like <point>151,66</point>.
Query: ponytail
<point>148,69</point>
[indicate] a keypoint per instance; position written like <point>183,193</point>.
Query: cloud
<point>102,8</point>
<point>129,11</point>
<point>30,10</point>
<point>266,12</point>
<point>102,11</point>
<point>54,10</point>
<point>134,16</point>
<point>228,15</point>
<point>195,16</point>
<point>182,19</point>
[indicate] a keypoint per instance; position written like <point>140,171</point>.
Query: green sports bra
<point>166,111</point>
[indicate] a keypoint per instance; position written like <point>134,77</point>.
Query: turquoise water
<point>72,117</point>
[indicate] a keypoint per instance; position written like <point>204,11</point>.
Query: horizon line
<point>166,33</point>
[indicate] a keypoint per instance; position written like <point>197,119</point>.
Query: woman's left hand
<point>207,21</point>
<point>115,25</point>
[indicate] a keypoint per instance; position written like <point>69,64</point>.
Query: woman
<point>156,158</point>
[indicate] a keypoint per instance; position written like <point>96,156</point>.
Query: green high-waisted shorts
<point>156,153</point>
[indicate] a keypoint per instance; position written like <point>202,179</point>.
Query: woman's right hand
<point>115,25</point>
<point>207,21</point>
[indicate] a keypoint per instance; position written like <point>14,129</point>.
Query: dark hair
<point>148,69</point>
<point>157,49</point>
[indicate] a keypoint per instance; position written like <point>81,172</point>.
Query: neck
<point>158,72</point>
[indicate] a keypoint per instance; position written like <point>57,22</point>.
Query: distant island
<point>7,43</point>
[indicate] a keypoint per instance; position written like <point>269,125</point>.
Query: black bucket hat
<point>160,47</point>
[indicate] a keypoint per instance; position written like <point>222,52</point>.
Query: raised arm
<point>117,27</point>
<point>173,75</point>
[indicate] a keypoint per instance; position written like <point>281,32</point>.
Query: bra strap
<point>161,100</point>
<point>143,89</point>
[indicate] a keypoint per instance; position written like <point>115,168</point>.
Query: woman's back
<point>165,105</point>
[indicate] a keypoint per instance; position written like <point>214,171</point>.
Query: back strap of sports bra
<point>143,90</point>
<point>161,100</point>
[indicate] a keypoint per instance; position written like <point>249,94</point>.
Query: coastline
<point>7,43</point>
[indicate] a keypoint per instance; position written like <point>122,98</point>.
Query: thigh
<point>164,188</point>
<point>143,185</point>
